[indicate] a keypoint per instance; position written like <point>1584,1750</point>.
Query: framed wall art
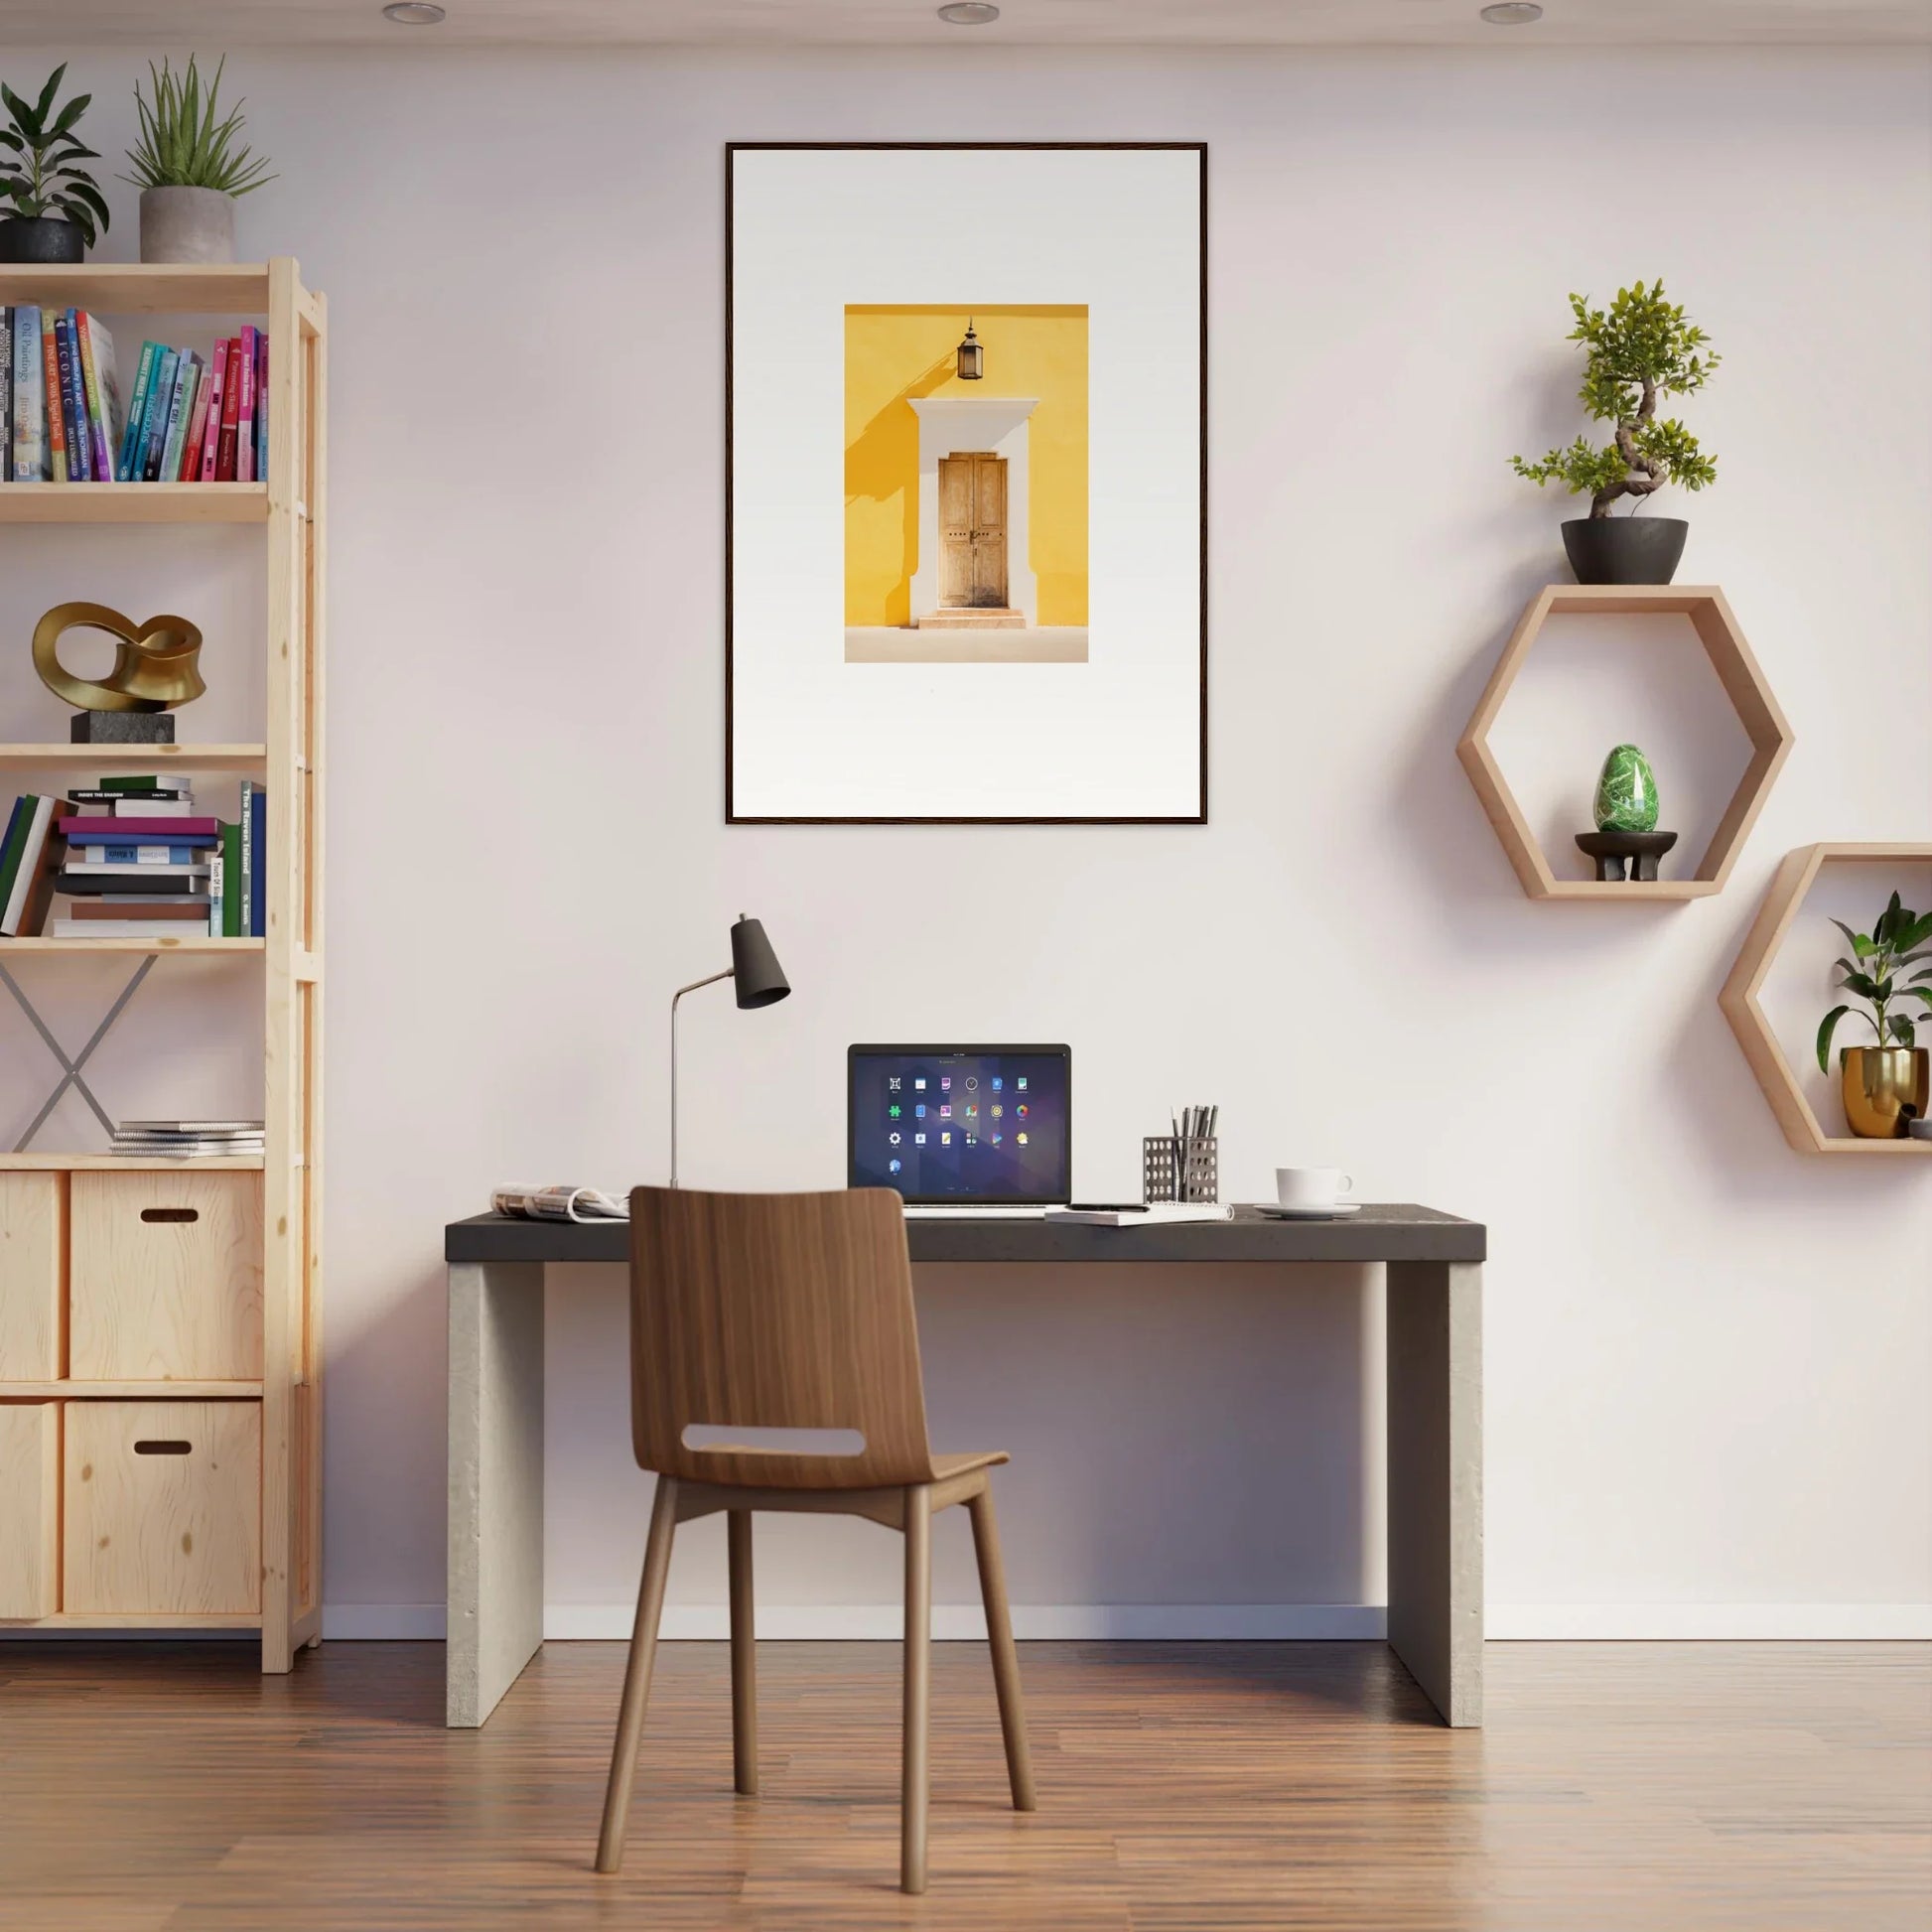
<point>966,498</point>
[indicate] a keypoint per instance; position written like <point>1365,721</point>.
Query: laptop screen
<point>964,1124</point>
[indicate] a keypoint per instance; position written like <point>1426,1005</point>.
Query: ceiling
<point>911,22</point>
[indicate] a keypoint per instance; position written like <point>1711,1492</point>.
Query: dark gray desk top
<point>1391,1231</point>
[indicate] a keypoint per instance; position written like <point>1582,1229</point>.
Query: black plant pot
<point>1624,549</point>
<point>41,239</point>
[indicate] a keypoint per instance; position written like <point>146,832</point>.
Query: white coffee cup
<point>1312,1186</point>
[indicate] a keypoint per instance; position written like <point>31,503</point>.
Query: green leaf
<point>1826,1027</point>
<point>1863,984</point>
<point>1860,943</point>
<point>1903,1031</point>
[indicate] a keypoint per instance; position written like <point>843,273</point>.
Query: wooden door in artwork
<point>972,531</point>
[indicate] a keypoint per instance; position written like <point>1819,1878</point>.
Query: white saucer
<point>1270,1210</point>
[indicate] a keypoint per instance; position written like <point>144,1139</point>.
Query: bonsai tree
<point>1898,940</point>
<point>38,150</point>
<point>1637,351</point>
<point>182,144</point>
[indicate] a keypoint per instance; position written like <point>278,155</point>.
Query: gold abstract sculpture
<point>154,662</point>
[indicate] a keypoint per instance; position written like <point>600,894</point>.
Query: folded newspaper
<point>559,1204</point>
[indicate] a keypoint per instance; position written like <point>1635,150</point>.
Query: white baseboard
<point>953,1622</point>
<point>1708,1622</point>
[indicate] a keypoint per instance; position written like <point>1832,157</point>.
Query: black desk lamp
<point>759,981</point>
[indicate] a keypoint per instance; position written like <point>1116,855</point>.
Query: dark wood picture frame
<point>732,150</point>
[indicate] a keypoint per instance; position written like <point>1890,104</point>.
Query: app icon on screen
<point>946,1140</point>
<point>970,1142</point>
<point>918,1110</point>
<point>918,1139</point>
<point>894,1167</point>
<point>1021,1084</point>
<point>893,1138</point>
<point>945,1112</point>
<point>945,1084</point>
<point>972,1112</point>
<point>1021,1138</point>
<point>996,1140</point>
<point>997,1109</point>
<point>1020,1110</point>
<point>919,1082</point>
<point>997,1083</point>
<point>892,1083</point>
<point>892,1111</point>
<point>972,1080</point>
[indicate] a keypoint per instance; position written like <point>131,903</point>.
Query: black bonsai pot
<point>1624,549</point>
<point>40,238</point>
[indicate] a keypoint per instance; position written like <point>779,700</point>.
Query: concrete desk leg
<point>1435,1327</point>
<point>495,1581</point>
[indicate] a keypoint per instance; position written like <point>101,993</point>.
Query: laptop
<point>962,1130</point>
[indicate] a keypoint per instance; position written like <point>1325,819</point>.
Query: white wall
<point>1707,1357</point>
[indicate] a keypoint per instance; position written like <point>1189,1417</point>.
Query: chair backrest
<point>774,1311</point>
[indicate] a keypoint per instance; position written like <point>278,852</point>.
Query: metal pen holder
<point>1179,1170</point>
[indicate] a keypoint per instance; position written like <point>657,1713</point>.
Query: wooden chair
<point>768,1312</point>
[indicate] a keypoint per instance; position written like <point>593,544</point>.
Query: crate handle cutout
<point>171,1214</point>
<point>164,1447</point>
<point>772,1442</point>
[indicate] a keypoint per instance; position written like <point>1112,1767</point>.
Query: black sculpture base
<point>1611,850</point>
<point>122,728</point>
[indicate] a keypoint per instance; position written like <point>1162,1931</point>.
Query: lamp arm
<point>711,980</point>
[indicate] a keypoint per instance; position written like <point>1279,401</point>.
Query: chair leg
<point>914,1783</point>
<point>744,1676</point>
<point>1006,1660</point>
<point>636,1676</point>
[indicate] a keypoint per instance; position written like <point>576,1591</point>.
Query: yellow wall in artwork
<point>893,353</point>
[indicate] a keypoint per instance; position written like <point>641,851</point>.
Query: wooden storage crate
<point>33,1255</point>
<point>30,1508</point>
<point>165,1282</point>
<point>162,1507</point>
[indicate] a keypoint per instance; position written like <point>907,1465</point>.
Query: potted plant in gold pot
<point>1888,1084</point>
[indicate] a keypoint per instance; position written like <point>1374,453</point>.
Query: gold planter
<point>1884,1088</point>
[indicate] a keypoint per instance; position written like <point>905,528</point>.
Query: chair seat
<point>945,1467</point>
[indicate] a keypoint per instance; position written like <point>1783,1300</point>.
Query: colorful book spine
<point>153,431</point>
<point>261,407</point>
<point>6,394</point>
<point>10,846</point>
<point>218,371</point>
<point>179,411</point>
<point>247,886</point>
<point>33,881</point>
<point>154,831</point>
<point>258,864</point>
<point>57,418</point>
<point>244,460</point>
<point>126,469</point>
<point>189,466</point>
<point>230,893</point>
<point>230,416</point>
<point>30,420</point>
<point>74,401</point>
<point>103,392</point>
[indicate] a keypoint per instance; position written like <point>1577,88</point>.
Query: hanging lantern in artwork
<point>972,356</point>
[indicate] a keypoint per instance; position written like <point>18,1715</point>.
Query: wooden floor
<point>1620,1787</point>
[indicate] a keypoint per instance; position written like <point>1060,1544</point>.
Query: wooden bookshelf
<point>50,1189</point>
<point>134,502</point>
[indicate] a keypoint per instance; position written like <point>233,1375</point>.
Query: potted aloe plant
<point>1639,351</point>
<point>50,209</point>
<point>188,168</point>
<point>1885,1086</point>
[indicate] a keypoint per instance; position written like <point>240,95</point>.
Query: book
<point>126,805</point>
<point>217,370</point>
<point>261,407</point>
<point>88,882</point>
<point>257,868</point>
<point>105,795</point>
<point>103,393</point>
<point>30,410</point>
<point>119,929</point>
<point>230,416</point>
<point>1155,1215</point>
<point>6,393</point>
<point>56,422</point>
<point>171,908</point>
<point>89,855</point>
<point>189,466</point>
<point>153,427</point>
<point>244,463</point>
<point>17,822</point>
<point>231,881</point>
<point>201,1129</point>
<point>173,831</point>
<point>73,408</point>
<point>137,407</point>
<point>178,410</point>
<point>33,881</point>
<point>136,782</point>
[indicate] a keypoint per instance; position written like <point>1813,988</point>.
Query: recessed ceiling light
<point>413,13</point>
<point>969,13</point>
<point>1512,13</point>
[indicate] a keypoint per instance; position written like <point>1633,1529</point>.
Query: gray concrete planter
<point>187,224</point>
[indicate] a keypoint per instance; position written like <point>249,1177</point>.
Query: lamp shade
<point>757,977</point>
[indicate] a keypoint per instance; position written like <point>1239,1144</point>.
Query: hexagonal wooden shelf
<point>1738,997</point>
<point>1738,671</point>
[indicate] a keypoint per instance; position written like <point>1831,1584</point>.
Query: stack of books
<point>186,1140</point>
<point>136,860</point>
<point>189,418</point>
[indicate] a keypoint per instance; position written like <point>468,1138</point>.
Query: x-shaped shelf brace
<point>71,1076</point>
